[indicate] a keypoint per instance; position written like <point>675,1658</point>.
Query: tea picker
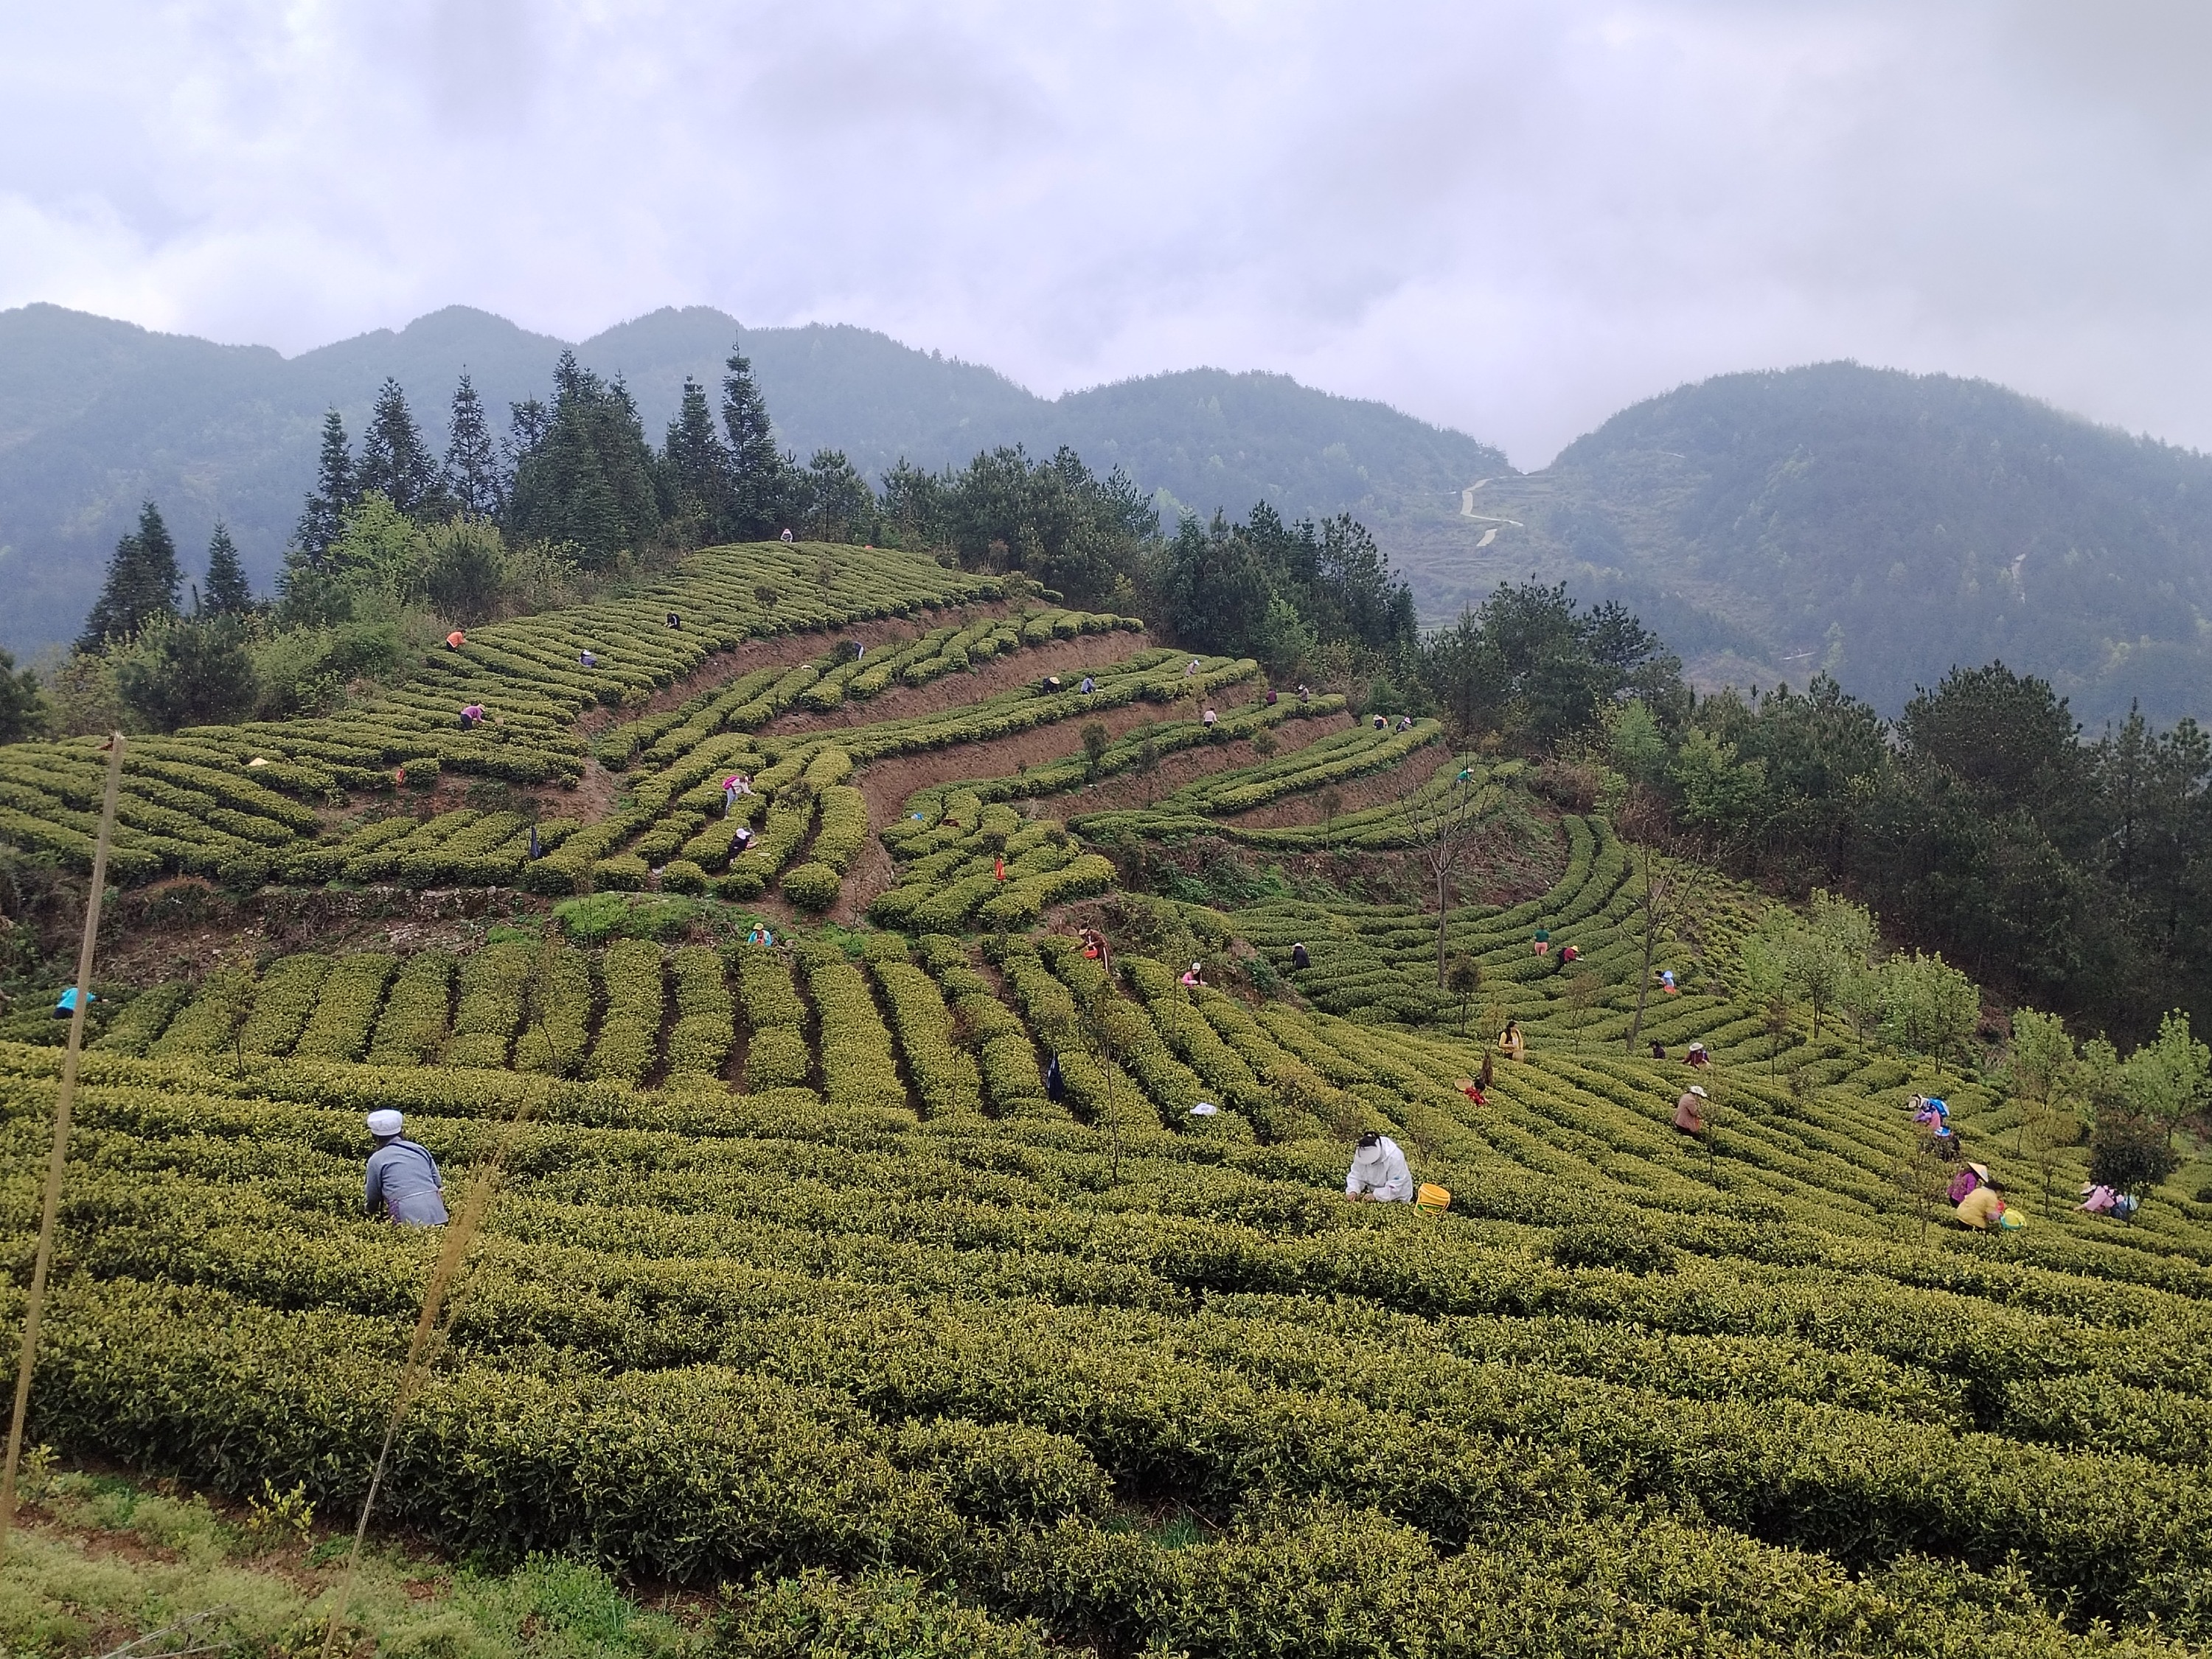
<point>1378,1173</point>
<point>403,1183</point>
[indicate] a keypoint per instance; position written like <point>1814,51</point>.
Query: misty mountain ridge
<point>1883,526</point>
<point>96,416</point>
<point>1880,525</point>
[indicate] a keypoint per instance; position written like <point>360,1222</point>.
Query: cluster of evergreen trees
<point>174,652</point>
<point>1302,598</point>
<point>1534,669</point>
<point>2062,871</point>
<point>2072,874</point>
<point>575,473</point>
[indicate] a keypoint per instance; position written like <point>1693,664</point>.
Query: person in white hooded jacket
<point>1379,1174</point>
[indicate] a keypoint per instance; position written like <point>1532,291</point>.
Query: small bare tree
<point>1582,994</point>
<point>1440,824</point>
<point>1774,1018</point>
<point>1922,1178</point>
<point>2045,1125</point>
<point>1658,903</point>
<point>1463,979</point>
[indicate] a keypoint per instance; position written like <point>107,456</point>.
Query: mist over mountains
<point>96,416</point>
<point>1880,525</point>
<point>1884,526</point>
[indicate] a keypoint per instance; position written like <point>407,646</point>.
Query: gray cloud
<point>1511,216</point>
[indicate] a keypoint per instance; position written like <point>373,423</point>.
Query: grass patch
<point>101,1561</point>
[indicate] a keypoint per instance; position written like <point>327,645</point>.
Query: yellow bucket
<point>1434,1199</point>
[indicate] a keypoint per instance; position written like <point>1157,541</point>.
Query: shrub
<point>557,1013</point>
<point>685,877</point>
<point>2128,1153</point>
<point>493,983</point>
<point>776,1058</point>
<point>704,1033</point>
<point>412,1026</point>
<point>209,1023</point>
<point>1618,1244</point>
<point>844,826</point>
<point>629,1034</point>
<point>283,1005</point>
<point>811,886</point>
<point>858,1065</point>
<point>143,1019</point>
<point>594,918</point>
<point>625,872</point>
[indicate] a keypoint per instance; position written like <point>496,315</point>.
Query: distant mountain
<point>1880,525</point>
<point>95,415</point>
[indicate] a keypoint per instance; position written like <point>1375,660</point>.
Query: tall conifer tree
<point>394,459</point>
<point>324,519</point>
<point>228,593</point>
<point>696,467</point>
<point>143,581</point>
<point>584,473</point>
<point>473,476</point>
<point>757,488</point>
<point>23,711</point>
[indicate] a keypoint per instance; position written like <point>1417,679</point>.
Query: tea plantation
<point>803,1292</point>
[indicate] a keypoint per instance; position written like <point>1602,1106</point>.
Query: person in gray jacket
<point>403,1183</point>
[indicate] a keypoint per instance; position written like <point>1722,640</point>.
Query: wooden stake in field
<point>460,1234</point>
<point>58,1160</point>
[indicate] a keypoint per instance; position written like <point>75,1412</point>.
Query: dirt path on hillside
<point>1357,794</point>
<point>1069,659</point>
<point>784,651</point>
<point>1126,790</point>
<point>888,784</point>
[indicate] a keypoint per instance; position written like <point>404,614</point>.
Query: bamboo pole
<point>58,1159</point>
<point>460,1235</point>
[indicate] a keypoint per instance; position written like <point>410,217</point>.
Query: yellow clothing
<point>1980,1209</point>
<point>1511,1045</point>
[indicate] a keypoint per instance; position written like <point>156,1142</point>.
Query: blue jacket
<point>402,1180</point>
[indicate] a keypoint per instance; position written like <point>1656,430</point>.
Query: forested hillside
<point>1883,528</point>
<point>97,417</point>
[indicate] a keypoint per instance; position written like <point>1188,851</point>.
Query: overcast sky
<point>1511,218</point>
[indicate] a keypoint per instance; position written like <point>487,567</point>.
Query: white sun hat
<point>384,1121</point>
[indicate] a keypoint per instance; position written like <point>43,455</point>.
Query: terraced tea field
<point>800,1265</point>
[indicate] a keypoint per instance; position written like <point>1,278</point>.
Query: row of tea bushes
<point>237,803</point>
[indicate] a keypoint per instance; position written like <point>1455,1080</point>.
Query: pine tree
<point>228,593</point>
<point>527,423</point>
<point>696,468</point>
<point>335,491</point>
<point>196,672</point>
<point>758,491</point>
<point>22,710</point>
<point>473,476</point>
<point>143,580</point>
<point>394,459</point>
<point>586,475</point>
